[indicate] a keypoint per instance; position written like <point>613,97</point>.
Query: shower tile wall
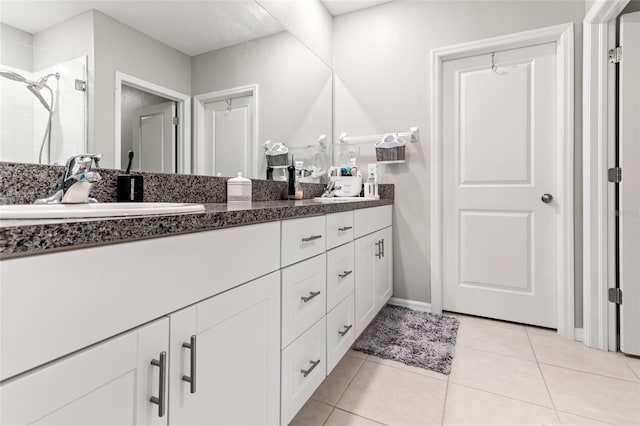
<point>16,119</point>
<point>23,119</point>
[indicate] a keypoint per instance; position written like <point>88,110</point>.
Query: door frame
<point>199,102</point>
<point>563,36</point>
<point>598,154</point>
<point>183,138</point>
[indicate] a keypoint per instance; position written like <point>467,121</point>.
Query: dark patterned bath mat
<point>419,339</point>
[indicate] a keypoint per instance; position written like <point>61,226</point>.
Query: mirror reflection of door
<point>228,132</point>
<point>148,129</point>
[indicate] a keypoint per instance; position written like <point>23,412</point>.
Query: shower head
<point>35,89</point>
<point>42,81</point>
<point>13,76</point>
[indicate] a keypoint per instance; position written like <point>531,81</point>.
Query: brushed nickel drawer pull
<point>310,296</point>
<point>345,274</point>
<point>382,251</point>
<point>191,379</point>
<point>311,238</point>
<point>160,399</point>
<point>345,228</point>
<point>314,364</point>
<point>346,330</point>
<point>379,249</point>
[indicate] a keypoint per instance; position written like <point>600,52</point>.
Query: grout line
<point>409,371</point>
<point>624,360</point>
<point>350,381</point>
<point>329,416</point>
<point>360,415</point>
<point>635,382</point>
<point>544,380</point>
<point>496,353</point>
<point>584,417</point>
<point>444,406</point>
<point>505,396</point>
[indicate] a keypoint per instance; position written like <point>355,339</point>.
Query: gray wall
<point>294,86</point>
<point>381,60</point>
<point>16,48</point>
<point>133,99</point>
<point>121,48</point>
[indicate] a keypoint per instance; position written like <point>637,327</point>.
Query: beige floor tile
<point>633,362</point>
<point>311,414</point>
<point>471,320</point>
<point>558,351</point>
<point>357,354</point>
<point>504,375</point>
<point>394,396</point>
<point>417,370</point>
<point>342,418</point>
<point>467,407</point>
<point>572,420</point>
<point>590,395</point>
<point>335,384</point>
<point>499,340</point>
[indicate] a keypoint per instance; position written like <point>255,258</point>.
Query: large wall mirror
<point>188,86</point>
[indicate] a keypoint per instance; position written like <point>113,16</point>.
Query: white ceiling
<point>339,7</point>
<point>192,27</point>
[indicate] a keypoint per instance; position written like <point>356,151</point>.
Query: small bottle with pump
<point>371,185</point>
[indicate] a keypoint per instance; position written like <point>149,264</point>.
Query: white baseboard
<point>411,304</point>
<point>578,334</point>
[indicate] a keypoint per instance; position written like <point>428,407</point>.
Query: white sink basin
<point>63,211</point>
<point>331,200</point>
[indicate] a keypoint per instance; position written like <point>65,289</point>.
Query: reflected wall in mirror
<point>247,79</point>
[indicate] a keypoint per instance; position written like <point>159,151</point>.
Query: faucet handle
<point>80,163</point>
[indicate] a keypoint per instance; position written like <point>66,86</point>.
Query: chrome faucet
<point>330,189</point>
<point>76,181</point>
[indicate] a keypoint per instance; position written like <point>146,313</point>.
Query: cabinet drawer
<point>304,299</point>
<point>339,229</point>
<point>302,239</point>
<point>370,220</point>
<point>340,274</point>
<point>340,331</point>
<point>306,355</point>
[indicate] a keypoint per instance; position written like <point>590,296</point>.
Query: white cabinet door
<point>107,384</point>
<point>236,366</point>
<point>365,288</point>
<point>384,267</point>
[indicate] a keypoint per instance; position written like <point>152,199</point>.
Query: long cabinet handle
<point>314,364</point>
<point>310,296</point>
<point>346,330</point>
<point>345,228</point>
<point>191,378</point>
<point>379,249</point>
<point>160,400</point>
<point>382,251</point>
<point>311,238</point>
<point>345,274</point>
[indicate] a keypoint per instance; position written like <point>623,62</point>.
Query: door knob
<point>546,198</point>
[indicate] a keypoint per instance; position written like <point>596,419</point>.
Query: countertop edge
<point>38,239</point>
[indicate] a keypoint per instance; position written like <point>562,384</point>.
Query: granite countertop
<point>26,238</point>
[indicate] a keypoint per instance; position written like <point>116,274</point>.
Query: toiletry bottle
<point>291,181</point>
<point>299,166</point>
<point>354,167</point>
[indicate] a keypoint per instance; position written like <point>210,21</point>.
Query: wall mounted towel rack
<point>413,135</point>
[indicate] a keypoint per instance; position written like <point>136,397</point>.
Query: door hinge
<point>615,175</point>
<point>615,296</point>
<point>615,55</point>
<point>81,85</point>
<point>176,121</point>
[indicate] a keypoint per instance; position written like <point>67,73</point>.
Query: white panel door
<point>500,156</point>
<point>366,252</point>
<point>154,137</point>
<point>228,132</point>
<point>629,133</point>
<point>237,358</point>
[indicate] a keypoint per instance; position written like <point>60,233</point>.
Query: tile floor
<point>503,374</point>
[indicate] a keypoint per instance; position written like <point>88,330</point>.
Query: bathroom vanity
<point>233,316</point>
